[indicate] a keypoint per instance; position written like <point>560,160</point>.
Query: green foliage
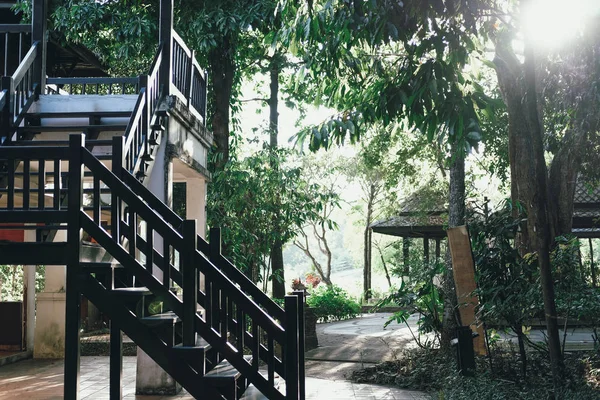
<point>11,282</point>
<point>508,285</point>
<point>332,303</point>
<point>251,196</point>
<point>387,62</point>
<point>418,294</point>
<point>435,371</point>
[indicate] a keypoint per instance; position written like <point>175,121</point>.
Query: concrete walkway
<point>43,379</point>
<point>348,346</point>
<point>345,346</point>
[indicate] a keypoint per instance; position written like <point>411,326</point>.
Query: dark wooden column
<point>592,266</point>
<point>73,295</point>
<point>438,246</point>
<point>426,249</point>
<point>405,254</point>
<point>166,40</point>
<point>39,34</point>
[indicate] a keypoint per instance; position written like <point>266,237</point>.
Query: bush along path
<point>434,372</point>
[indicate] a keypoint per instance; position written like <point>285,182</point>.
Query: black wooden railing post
<point>73,296</point>
<point>116,335</point>
<point>166,38</point>
<point>204,94</point>
<point>8,84</point>
<point>190,283</point>
<point>39,34</point>
<point>214,250</point>
<point>291,348</point>
<point>301,348</point>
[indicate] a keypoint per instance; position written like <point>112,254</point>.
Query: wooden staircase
<point>83,171</point>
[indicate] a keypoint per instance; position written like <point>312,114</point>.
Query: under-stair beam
<point>73,296</point>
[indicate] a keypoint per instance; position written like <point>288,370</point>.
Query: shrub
<point>332,303</point>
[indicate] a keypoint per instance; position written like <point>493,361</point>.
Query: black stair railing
<point>15,41</point>
<point>233,322</point>
<point>22,89</point>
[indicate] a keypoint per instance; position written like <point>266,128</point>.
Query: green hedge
<point>332,303</point>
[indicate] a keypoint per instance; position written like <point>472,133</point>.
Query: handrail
<point>221,295</point>
<point>15,28</point>
<point>246,285</point>
<point>25,64</point>
<point>133,134</point>
<point>3,97</point>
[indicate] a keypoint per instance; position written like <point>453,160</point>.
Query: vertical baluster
<point>6,55</point>
<point>116,209</point>
<point>190,284</point>
<point>166,265</point>
<point>110,88</point>
<point>11,184</point>
<point>132,221</point>
<point>224,316</point>
<point>56,194</point>
<point>271,359</point>
<point>96,200</point>
<point>208,306</point>
<point>241,328</point>
<point>26,184</point>
<point>41,184</point>
<point>255,343</point>
<point>149,247</point>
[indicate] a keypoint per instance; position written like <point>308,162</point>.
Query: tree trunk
<point>222,69</point>
<point>367,245</point>
<point>277,247</point>
<point>592,268</point>
<point>456,217</point>
<point>529,176</point>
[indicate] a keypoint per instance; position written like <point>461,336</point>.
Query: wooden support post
<point>291,348</point>
<point>406,255</point>
<point>426,249</point>
<point>116,361</point>
<point>592,266</point>
<point>6,119</point>
<point>438,248</point>
<point>39,34</point>
<point>301,345</point>
<point>190,284</point>
<point>214,250</point>
<point>166,39</point>
<point>73,295</point>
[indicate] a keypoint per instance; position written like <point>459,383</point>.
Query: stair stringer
<point>146,339</point>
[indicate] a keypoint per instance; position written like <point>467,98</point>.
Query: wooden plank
<point>463,269</point>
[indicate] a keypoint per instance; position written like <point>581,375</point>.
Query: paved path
<point>43,379</point>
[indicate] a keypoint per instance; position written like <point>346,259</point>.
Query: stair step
<point>148,157</point>
<point>195,356</point>
<point>132,291</point>
<point>95,267</point>
<point>73,128</point>
<point>225,378</point>
<point>225,371</point>
<point>168,317</point>
<point>80,114</point>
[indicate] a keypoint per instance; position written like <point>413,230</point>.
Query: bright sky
<point>551,23</point>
